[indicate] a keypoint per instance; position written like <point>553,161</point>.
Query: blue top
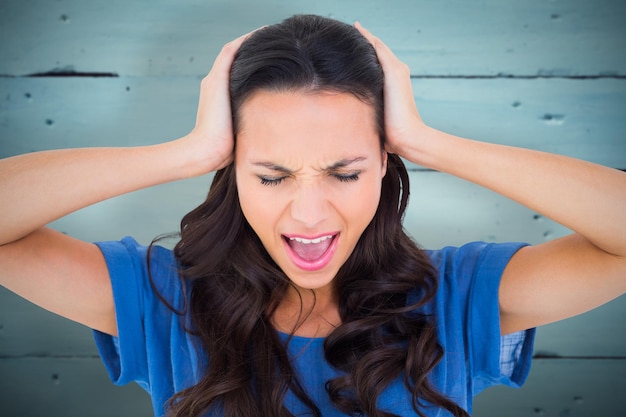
<point>153,349</point>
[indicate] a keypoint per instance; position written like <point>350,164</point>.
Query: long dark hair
<point>235,286</point>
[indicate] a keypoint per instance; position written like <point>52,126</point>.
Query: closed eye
<point>271,181</point>
<point>347,177</point>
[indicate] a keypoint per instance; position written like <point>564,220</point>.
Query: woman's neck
<point>307,313</point>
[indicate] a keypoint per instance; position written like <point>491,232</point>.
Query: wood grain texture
<point>66,387</point>
<point>581,118</point>
<point>561,388</point>
<point>454,37</point>
<point>78,387</point>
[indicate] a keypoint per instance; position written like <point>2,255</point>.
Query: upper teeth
<point>309,241</point>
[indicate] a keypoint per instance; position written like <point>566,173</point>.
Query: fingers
<point>225,58</point>
<point>368,35</point>
<point>213,133</point>
<point>375,41</point>
<point>385,55</point>
<point>401,114</point>
<point>214,86</point>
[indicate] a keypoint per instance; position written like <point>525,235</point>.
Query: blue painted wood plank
<point>561,388</point>
<point>27,330</point>
<point>66,387</point>
<point>80,387</point>
<point>579,118</point>
<point>451,37</point>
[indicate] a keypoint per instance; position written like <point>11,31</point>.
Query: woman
<point>294,289</point>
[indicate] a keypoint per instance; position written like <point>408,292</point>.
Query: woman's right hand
<point>212,136</point>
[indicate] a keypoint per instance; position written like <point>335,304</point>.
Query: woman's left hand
<point>402,119</point>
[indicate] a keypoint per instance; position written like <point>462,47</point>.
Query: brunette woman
<point>294,289</point>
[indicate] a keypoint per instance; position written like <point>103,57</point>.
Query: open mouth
<point>311,253</point>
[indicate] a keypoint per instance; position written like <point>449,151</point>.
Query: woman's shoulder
<point>473,256</point>
<point>128,252</point>
<point>153,268</point>
<point>470,272</point>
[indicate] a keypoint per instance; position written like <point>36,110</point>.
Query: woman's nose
<point>310,205</point>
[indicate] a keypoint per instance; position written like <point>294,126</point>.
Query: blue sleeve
<point>142,318</point>
<point>496,359</point>
<point>468,321</point>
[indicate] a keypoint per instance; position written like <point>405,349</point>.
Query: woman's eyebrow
<point>272,166</point>
<point>344,163</point>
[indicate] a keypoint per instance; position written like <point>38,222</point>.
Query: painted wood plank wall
<point>549,75</point>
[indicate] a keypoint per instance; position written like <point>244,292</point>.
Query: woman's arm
<point>543,283</point>
<point>68,276</point>
<point>564,277</point>
<point>41,187</point>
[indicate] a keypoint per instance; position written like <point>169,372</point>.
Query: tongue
<point>312,251</point>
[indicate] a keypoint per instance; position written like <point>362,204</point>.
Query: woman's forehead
<point>271,121</point>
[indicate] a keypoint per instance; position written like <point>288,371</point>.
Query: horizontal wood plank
<point>580,118</point>
<point>80,387</point>
<point>66,387</point>
<point>452,37</point>
<point>561,388</point>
